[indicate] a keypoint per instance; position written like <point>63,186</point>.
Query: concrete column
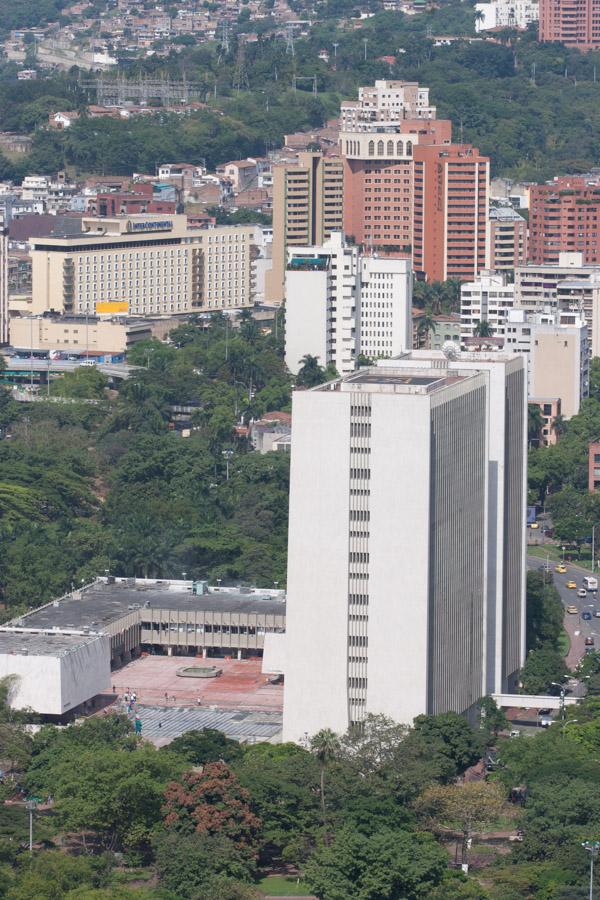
<point>204,652</point>
<point>169,651</point>
<point>239,654</point>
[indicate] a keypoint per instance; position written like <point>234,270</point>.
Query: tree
<point>212,802</point>
<point>208,745</point>
<point>472,806</point>
<point>483,329</point>
<point>544,613</point>
<point>325,745</point>
<point>189,863</point>
<point>493,719</point>
<point>384,865</point>
<point>535,423</point>
<point>451,738</point>
<point>310,373</point>
<point>542,668</point>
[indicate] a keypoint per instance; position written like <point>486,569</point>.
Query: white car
<point>582,592</point>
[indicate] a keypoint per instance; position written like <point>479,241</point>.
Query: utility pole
<point>289,40</point>
<point>365,42</point>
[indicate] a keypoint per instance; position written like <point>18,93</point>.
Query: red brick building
<point>575,23</point>
<point>451,193</point>
<point>594,466</point>
<point>564,216</point>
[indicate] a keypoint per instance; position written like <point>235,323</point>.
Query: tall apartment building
<point>378,135</point>
<point>307,209</point>
<point>568,286</point>
<point>575,23</point>
<point>488,299</point>
<point>413,522</point>
<point>451,193</point>
<point>508,239</point>
<point>3,284</point>
<point>564,216</point>
<point>555,346</point>
<point>341,303</point>
<point>143,265</point>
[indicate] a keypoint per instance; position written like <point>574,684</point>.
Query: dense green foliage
<point>90,486</point>
<point>533,108</point>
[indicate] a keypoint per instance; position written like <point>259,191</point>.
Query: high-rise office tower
<point>3,284</point>
<point>406,542</point>
<point>307,209</point>
<point>378,135</point>
<point>575,23</point>
<point>450,231</point>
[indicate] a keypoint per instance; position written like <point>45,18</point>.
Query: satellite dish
<point>450,350</point>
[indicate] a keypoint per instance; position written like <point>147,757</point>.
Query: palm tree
<point>310,373</point>
<point>483,329</point>
<point>535,423</point>
<point>426,326</point>
<point>325,745</point>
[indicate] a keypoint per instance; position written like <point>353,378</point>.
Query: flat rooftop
<point>102,603</point>
<point>397,380</point>
<point>19,643</point>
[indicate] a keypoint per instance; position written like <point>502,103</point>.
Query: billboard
<point>112,306</point>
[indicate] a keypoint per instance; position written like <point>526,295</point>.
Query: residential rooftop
<point>49,643</point>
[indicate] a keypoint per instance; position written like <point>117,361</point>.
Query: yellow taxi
<point>534,525</point>
<point>560,568</point>
<point>571,584</point>
<point>572,610</point>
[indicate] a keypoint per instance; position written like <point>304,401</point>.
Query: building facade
<point>594,466</point>
<point>555,346</point>
<point>575,23</point>
<point>451,193</point>
<point>143,265</point>
<point>506,14</point>
<point>307,210</point>
<point>3,284</point>
<point>378,135</point>
<point>486,300</point>
<point>341,303</point>
<point>87,335</point>
<point>508,239</point>
<point>563,217</point>
<point>409,487</point>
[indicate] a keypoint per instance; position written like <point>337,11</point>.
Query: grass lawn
<point>555,554</point>
<point>283,886</point>
<point>564,643</point>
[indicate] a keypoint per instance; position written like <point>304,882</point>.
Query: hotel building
<point>144,265</point>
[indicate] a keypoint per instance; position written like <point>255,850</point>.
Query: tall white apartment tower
<point>3,284</point>
<point>406,550</point>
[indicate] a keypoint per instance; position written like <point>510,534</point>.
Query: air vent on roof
<point>24,651</point>
<point>110,579</point>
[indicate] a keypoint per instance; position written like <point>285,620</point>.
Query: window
<point>371,148</point>
<point>390,148</point>
<point>379,148</point>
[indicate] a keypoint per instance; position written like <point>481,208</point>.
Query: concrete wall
<point>305,317</point>
<point>317,596</point>
<point>54,685</point>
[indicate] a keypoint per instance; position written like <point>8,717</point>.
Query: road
<point>577,628</point>
<point>113,370</point>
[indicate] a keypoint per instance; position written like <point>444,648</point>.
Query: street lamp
<point>562,697</point>
<point>31,806</point>
<point>569,722</point>
<point>592,848</point>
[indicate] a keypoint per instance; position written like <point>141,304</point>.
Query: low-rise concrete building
<point>79,334</point>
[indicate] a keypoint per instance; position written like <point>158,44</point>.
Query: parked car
<point>589,641</point>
